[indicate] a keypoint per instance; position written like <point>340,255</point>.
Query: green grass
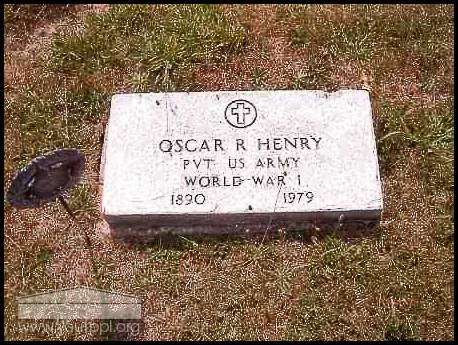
<point>428,131</point>
<point>299,36</point>
<point>293,12</point>
<point>356,41</point>
<point>61,120</point>
<point>82,199</point>
<point>8,12</point>
<point>163,51</point>
<point>393,283</point>
<point>314,318</point>
<point>361,35</point>
<point>259,79</point>
<point>401,332</point>
<point>340,286</point>
<point>314,76</point>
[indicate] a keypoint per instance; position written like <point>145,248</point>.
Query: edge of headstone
<point>148,233</point>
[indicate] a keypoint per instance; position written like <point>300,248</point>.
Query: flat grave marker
<point>240,159</point>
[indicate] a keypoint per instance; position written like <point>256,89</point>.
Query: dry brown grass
<point>397,281</point>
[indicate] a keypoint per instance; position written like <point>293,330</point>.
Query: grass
<point>314,76</point>
<point>259,77</point>
<point>163,52</point>
<point>428,130</point>
<point>401,332</point>
<point>394,283</point>
<point>355,40</point>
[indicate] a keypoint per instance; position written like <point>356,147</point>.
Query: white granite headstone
<point>240,158</point>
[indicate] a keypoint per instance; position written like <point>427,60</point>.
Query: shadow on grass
<point>173,239</point>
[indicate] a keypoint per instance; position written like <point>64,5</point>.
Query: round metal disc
<point>46,178</point>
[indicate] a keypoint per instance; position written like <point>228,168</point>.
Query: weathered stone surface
<point>234,159</point>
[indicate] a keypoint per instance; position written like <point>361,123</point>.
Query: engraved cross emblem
<point>240,113</point>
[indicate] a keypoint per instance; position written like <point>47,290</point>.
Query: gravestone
<point>233,160</point>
